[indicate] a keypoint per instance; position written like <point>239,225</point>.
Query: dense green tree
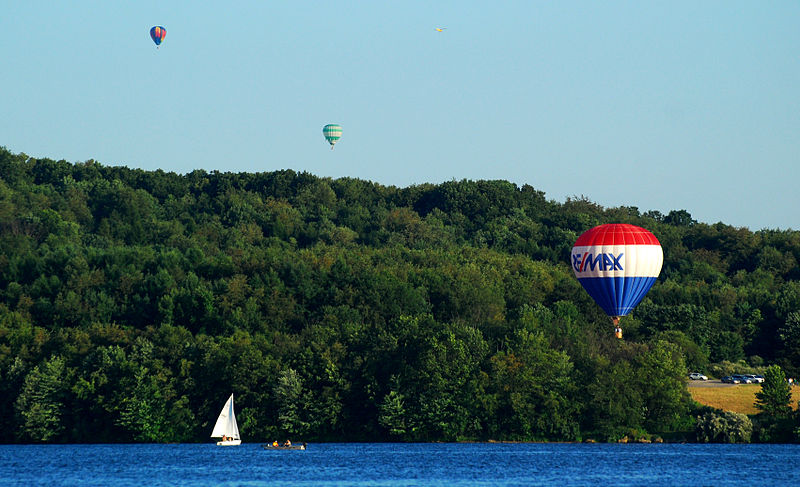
<point>41,401</point>
<point>775,395</point>
<point>152,411</point>
<point>789,334</point>
<point>694,357</point>
<point>446,382</point>
<point>290,398</point>
<point>534,391</point>
<point>723,427</point>
<point>615,404</point>
<point>726,345</point>
<point>662,377</point>
<point>393,415</point>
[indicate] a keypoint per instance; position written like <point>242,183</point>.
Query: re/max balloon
<point>332,133</point>
<point>158,34</point>
<point>617,264</point>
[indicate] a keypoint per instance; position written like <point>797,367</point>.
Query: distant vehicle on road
<point>755,379</point>
<point>742,379</point>
<point>697,376</point>
<point>730,380</point>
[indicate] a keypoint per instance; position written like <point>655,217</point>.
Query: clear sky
<point>663,105</point>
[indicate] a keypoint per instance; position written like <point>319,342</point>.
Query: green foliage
<point>772,429</point>
<point>393,414</point>
<point>638,387</point>
<point>534,390</point>
<point>615,404</point>
<point>775,395</point>
<point>132,303</point>
<point>726,345</point>
<point>152,412</point>
<point>40,403</point>
<point>290,399</point>
<point>789,335</point>
<point>693,356</point>
<point>723,427</point>
<point>662,375</point>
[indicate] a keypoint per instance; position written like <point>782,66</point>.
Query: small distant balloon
<point>158,34</point>
<point>332,133</point>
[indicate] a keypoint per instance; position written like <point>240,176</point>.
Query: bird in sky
<point>440,29</point>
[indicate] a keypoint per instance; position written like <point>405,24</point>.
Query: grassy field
<point>739,398</point>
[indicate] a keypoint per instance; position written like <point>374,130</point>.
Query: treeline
<point>132,303</point>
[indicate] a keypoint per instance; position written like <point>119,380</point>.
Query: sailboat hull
<point>229,443</point>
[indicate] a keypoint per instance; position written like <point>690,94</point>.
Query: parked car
<point>697,376</point>
<point>760,378</point>
<point>742,379</point>
<point>730,380</point>
<point>755,379</point>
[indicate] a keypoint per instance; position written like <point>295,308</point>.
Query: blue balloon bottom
<point>617,295</point>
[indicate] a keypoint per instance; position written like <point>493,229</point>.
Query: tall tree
<point>662,374</point>
<point>393,415</point>
<point>289,397</point>
<point>775,395</point>
<point>40,404</point>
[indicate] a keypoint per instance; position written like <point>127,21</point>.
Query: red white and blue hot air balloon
<point>617,264</point>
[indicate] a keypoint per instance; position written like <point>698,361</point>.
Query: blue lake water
<point>379,464</point>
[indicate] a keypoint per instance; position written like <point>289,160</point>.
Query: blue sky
<point>660,105</point>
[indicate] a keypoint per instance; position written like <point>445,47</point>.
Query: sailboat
<point>226,427</point>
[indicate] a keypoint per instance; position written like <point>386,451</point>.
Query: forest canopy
<point>132,303</point>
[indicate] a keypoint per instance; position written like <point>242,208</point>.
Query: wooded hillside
<point>132,303</point>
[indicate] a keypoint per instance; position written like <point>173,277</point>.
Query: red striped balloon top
<point>617,234</point>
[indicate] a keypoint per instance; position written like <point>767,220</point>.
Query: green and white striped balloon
<point>332,133</point>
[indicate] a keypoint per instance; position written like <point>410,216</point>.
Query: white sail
<point>226,422</point>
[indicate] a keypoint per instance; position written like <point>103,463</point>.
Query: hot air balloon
<point>158,34</point>
<point>332,133</point>
<point>617,264</point>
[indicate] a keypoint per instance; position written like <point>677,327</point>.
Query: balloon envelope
<point>332,133</point>
<point>158,34</point>
<point>617,264</point>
